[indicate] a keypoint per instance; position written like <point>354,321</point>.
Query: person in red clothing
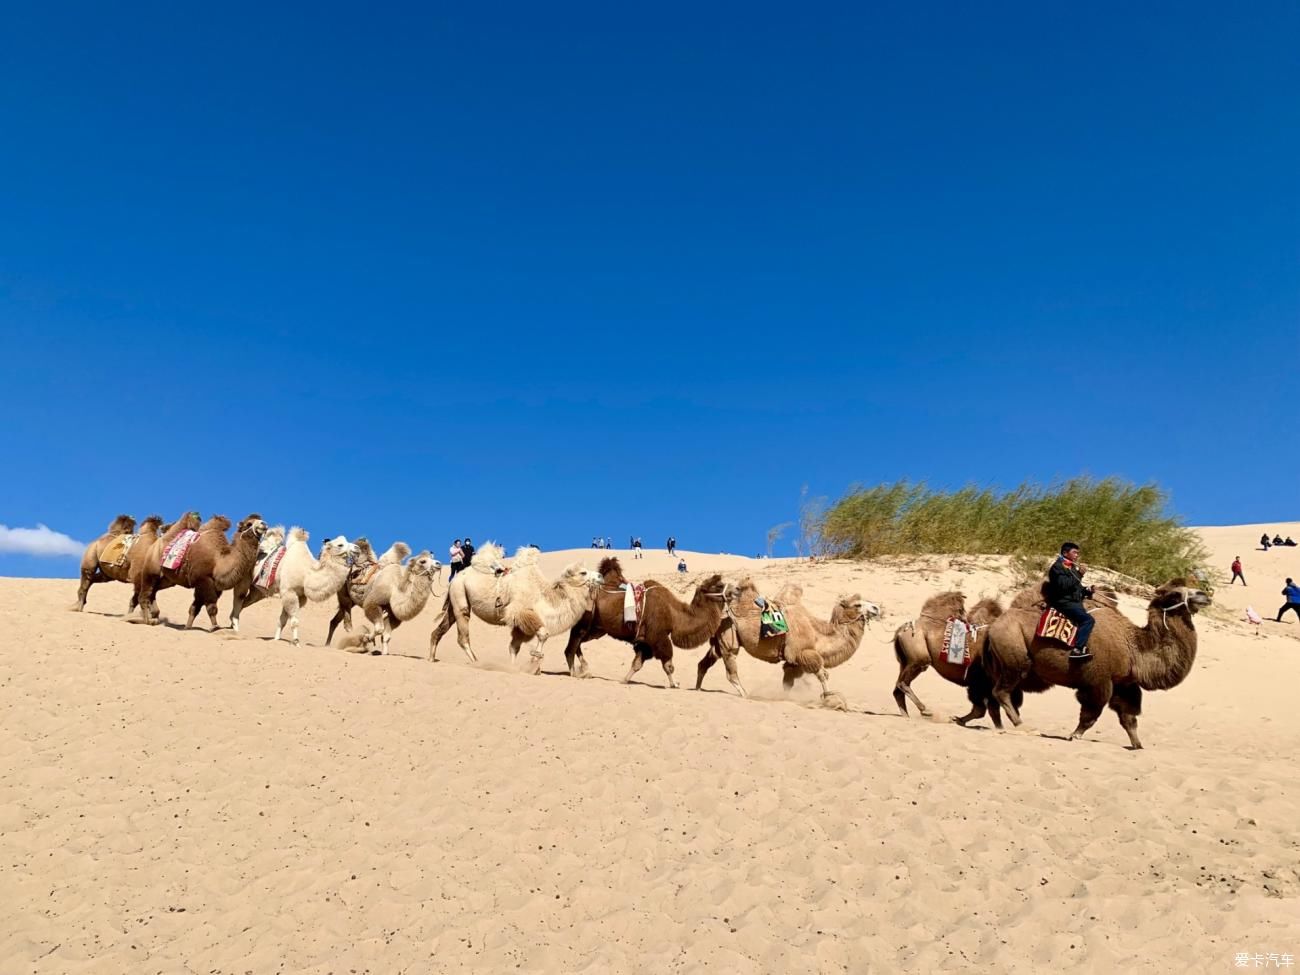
<point>1236,571</point>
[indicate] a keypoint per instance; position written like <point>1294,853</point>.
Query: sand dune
<point>177,801</point>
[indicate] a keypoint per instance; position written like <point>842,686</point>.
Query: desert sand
<point>176,801</point>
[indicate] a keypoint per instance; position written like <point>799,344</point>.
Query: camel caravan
<point>998,654</point>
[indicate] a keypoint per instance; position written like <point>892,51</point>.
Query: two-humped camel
<point>811,646</point>
<point>518,597</point>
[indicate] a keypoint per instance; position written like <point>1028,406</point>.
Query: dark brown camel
<point>665,622</point>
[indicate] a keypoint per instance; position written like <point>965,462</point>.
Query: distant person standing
<point>1263,541</point>
<point>672,545</point>
<point>466,553</point>
<point>456,556</point>
<point>636,548</point>
<point>1292,593</point>
<point>1236,571</point>
<point>609,542</point>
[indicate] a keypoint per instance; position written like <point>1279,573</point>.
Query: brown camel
<point>115,544</point>
<point>811,646</point>
<point>146,556</point>
<point>1126,658</point>
<point>119,560</point>
<point>665,621</point>
<point>918,645</point>
<point>211,566</point>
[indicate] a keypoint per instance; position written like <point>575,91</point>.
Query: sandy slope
<point>181,801</point>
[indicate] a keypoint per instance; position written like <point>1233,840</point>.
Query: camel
<point>519,597</point>
<point>146,555</point>
<point>365,566</point>
<point>397,594</point>
<point>108,557</point>
<point>273,539</point>
<point>300,577</point>
<point>666,622</point>
<point>1126,659</point>
<point>811,646</point>
<point>918,645</point>
<point>211,566</point>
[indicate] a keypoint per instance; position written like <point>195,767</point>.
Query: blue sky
<point>534,272</point>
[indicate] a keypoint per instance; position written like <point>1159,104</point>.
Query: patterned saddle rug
<point>633,602</point>
<point>956,641</point>
<point>1053,626</point>
<point>179,547</point>
<point>118,550</point>
<point>268,568</point>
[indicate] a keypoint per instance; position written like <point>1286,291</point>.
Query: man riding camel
<point>1066,592</point>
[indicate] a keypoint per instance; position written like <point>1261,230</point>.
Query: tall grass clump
<point>1120,526</point>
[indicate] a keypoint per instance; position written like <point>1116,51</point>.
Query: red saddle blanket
<point>1053,626</point>
<point>179,547</point>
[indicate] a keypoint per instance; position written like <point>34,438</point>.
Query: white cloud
<point>40,540</point>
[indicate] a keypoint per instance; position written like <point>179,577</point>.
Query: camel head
<point>253,525</point>
<point>736,593</point>
<point>851,609</point>
<point>711,588</point>
<point>577,576</point>
<point>1179,594</point>
<point>424,564</point>
<point>338,549</point>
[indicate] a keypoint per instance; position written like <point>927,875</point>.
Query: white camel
<point>397,594</point>
<point>365,567</point>
<point>519,597</point>
<point>302,578</point>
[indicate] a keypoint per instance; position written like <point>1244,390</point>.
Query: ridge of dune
<point>175,800</point>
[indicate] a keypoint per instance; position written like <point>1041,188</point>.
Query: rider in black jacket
<point>1066,592</point>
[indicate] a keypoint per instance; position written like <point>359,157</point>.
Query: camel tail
<point>898,642</point>
<point>529,622</point>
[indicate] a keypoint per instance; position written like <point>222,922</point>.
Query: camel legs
<point>536,652</point>
<point>383,632</point>
<point>88,579</point>
<point>1092,701</point>
<point>573,657</point>
<point>1126,702</point>
<point>717,651</point>
<point>342,615</point>
<point>908,672</point>
<point>289,607</point>
<point>788,674</point>
<point>638,661</point>
<point>145,597</point>
<point>242,600</point>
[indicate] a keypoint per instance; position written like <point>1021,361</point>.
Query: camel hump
<point>526,555</point>
<point>217,523</point>
<point>945,604</point>
<point>396,553</point>
<point>791,592</point>
<point>610,567</point>
<point>152,520</point>
<point>122,524</point>
<point>486,554</point>
<point>297,534</point>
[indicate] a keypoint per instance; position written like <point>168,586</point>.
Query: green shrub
<point>1118,525</point>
